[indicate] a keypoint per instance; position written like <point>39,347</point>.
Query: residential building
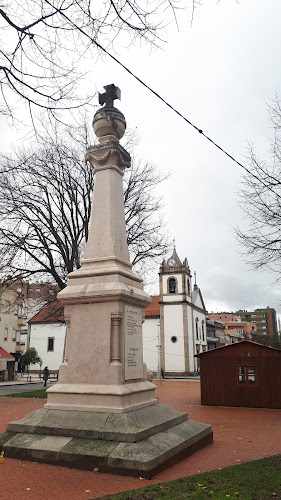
<point>234,326</point>
<point>12,320</point>
<point>35,295</point>
<point>216,334</point>
<point>264,319</point>
<point>46,332</point>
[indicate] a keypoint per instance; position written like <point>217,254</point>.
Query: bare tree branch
<point>44,41</point>
<point>260,199</point>
<point>45,208</point>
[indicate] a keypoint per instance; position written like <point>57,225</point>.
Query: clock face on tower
<point>171,262</point>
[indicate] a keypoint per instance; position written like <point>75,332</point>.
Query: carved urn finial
<point>109,123</point>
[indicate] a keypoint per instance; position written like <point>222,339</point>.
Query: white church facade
<point>174,330</point>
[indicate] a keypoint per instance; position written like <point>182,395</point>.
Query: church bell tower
<point>176,334</point>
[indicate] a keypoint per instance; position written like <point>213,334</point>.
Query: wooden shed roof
<point>246,345</point>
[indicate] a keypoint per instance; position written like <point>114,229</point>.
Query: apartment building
<point>12,322</point>
<point>237,328</point>
<point>264,319</point>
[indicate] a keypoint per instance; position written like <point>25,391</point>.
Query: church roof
<point>153,310</point>
<point>196,294</point>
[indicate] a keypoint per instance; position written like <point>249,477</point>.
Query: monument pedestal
<point>103,411</point>
<point>137,443</point>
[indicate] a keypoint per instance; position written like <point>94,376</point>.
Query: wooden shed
<point>241,374</point>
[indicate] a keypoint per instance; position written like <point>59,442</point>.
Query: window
<point>203,332</point>
<point>172,285</point>
<point>19,311</point>
<point>14,334</point>
<point>188,286</point>
<point>6,334</point>
<point>196,326</point>
<point>51,342</point>
<point>247,375</point>
<point>174,339</point>
<point>18,336</point>
<point>7,306</point>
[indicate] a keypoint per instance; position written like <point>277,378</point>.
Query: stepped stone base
<point>138,443</point>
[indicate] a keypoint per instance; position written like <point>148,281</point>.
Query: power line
<point>169,105</point>
<point>186,119</point>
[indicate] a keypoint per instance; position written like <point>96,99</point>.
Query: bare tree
<point>45,207</point>
<point>260,199</point>
<point>43,43</point>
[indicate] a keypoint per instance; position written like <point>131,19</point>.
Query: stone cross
<point>111,93</point>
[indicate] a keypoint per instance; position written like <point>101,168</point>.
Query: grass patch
<point>258,480</point>
<point>40,394</point>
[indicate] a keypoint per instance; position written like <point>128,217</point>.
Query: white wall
<point>150,342</point>
<point>39,334</point>
<point>173,326</point>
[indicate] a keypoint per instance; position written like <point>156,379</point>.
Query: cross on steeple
<point>111,93</point>
<point>195,277</point>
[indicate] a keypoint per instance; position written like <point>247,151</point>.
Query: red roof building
<point>51,313</point>
<point>5,356</point>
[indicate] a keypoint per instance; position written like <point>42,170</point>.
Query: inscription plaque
<point>133,344</point>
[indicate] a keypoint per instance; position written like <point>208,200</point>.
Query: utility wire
<point>186,119</point>
<point>169,105</point>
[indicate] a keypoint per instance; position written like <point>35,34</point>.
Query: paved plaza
<point>240,435</point>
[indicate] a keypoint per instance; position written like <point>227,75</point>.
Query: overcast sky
<point>220,73</point>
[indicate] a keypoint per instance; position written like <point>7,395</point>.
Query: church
<point>174,330</point>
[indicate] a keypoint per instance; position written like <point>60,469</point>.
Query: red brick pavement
<point>240,435</point>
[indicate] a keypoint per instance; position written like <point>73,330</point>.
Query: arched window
<point>203,332</point>
<point>197,329</point>
<point>188,286</point>
<point>172,285</point>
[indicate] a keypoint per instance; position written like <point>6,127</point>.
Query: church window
<point>188,286</point>
<point>172,285</point>
<point>197,330</point>
<point>174,339</point>
<point>203,333</point>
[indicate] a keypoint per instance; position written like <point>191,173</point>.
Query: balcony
<point>21,322</point>
<point>212,339</point>
<point>240,335</point>
<point>20,347</point>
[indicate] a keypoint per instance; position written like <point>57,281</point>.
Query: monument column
<point>104,300</point>
<point>102,413</point>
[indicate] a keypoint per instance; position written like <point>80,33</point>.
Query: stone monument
<point>103,412</point>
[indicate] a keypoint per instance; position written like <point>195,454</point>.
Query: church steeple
<point>175,277</point>
<point>174,260</point>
